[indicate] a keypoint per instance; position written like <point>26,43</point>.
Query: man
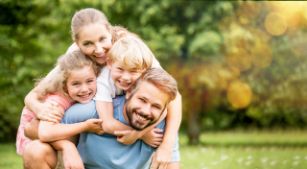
<point>139,108</point>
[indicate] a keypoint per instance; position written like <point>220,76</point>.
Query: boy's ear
<point>128,94</point>
<point>109,63</point>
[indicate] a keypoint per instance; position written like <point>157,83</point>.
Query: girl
<point>92,34</point>
<point>75,81</point>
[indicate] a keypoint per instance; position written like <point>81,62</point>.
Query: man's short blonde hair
<point>131,52</point>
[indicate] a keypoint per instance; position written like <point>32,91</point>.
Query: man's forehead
<point>152,93</point>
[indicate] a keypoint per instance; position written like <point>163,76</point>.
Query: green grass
<point>224,150</point>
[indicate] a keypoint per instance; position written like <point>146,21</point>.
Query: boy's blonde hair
<point>131,52</point>
<point>85,17</point>
<point>160,79</point>
<point>56,83</point>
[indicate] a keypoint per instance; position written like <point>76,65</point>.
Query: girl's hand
<point>153,138</point>
<point>51,112</point>
<point>127,136</point>
<point>94,126</point>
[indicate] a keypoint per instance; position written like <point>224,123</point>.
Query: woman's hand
<point>153,138</point>
<point>51,112</point>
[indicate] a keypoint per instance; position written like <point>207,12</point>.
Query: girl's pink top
<point>27,116</point>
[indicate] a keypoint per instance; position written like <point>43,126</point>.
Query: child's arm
<point>173,120</point>
<point>49,131</point>
<point>125,133</point>
<point>110,124</point>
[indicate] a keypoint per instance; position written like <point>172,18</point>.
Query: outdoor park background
<point>241,69</point>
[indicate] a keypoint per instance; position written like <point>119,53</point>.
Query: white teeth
<point>140,117</point>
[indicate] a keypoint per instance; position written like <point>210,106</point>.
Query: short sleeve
<point>105,88</point>
<point>72,47</point>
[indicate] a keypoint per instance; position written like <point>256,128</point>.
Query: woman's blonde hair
<point>85,17</point>
<point>131,52</point>
<point>56,82</point>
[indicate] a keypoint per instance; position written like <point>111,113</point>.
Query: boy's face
<point>123,78</point>
<point>81,84</point>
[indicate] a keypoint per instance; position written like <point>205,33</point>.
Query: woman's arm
<point>44,110</point>
<point>173,120</point>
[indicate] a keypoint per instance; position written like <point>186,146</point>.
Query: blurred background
<point>241,68</point>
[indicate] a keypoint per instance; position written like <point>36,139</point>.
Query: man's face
<point>145,106</point>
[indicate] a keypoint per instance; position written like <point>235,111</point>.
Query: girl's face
<point>94,40</point>
<point>81,84</point>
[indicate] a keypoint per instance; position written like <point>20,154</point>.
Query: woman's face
<point>94,41</point>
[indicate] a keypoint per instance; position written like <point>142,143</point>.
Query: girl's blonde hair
<point>131,52</point>
<point>56,82</point>
<point>85,17</point>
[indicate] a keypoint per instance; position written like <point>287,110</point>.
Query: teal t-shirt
<point>105,152</point>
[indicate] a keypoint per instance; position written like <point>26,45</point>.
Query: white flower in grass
<point>295,163</point>
<point>273,163</point>
<point>224,157</point>
<point>240,160</point>
<point>215,162</point>
<point>297,157</point>
<point>264,160</point>
<point>248,163</point>
<point>249,157</point>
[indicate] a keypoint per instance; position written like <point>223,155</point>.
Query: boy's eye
<point>90,81</point>
<point>101,39</point>
<point>119,68</point>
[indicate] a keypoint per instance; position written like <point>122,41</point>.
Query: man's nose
<point>146,109</point>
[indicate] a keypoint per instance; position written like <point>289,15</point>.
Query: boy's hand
<point>94,126</point>
<point>127,136</point>
<point>51,112</point>
<point>153,138</point>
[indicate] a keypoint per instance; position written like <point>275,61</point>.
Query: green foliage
<point>205,45</point>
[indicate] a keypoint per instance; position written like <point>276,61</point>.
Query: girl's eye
<point>87,43</point>
<point>75,84</point>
